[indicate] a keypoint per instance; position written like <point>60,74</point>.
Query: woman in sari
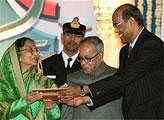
<point>18,77</point>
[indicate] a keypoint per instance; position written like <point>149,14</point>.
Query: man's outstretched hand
<point>76,101</point>
<point>72,96</point>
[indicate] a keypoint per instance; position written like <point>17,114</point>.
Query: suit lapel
<point>140,39</point>
<point>60,64</point>
<point>125,61</point>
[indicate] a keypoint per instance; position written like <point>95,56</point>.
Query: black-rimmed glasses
<point>86,59</point>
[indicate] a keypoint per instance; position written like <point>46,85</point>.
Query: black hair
<point>19,43</point>
<point>129,10</point>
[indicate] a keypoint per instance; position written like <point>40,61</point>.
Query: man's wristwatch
<point>82,93</point>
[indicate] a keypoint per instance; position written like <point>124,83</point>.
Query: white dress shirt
<point>65,57</point>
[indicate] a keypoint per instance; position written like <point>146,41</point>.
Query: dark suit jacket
<point>54,65</point>
<point>139,79</point>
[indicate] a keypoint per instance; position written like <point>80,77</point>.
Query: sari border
<point>17,71</point>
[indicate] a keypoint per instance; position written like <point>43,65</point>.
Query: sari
<point>14,85</point>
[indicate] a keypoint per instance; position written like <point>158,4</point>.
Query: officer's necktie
<point>68,65</point>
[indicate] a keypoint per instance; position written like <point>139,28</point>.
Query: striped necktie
<point>129,51</point>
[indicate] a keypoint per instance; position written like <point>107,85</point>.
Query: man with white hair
<point>91,53</point>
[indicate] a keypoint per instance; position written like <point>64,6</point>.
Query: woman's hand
<point>49,103</point>
<point>33,96</point>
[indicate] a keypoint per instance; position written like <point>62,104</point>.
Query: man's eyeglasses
<point>31,50</point>
<point>86,59</point>
<point>116,25</point>
<point>70,35</point>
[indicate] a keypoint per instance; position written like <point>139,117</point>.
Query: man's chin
<point>85,71</point>
<point>123,41</point>
<point>73,50</point>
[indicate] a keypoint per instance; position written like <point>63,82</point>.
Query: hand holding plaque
<point>50,93</point>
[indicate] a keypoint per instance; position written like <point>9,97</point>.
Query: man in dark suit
<point>60,65</point>
<point>91,52</point>
<point>140,76</point>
